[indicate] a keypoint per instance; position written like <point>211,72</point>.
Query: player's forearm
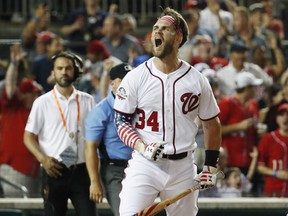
<point>212,134</point>
<point>126,131</point>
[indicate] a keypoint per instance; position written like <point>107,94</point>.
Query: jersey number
<point>152,120</point>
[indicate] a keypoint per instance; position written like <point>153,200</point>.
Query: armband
<point>211,157</point>
<point>275,173</point>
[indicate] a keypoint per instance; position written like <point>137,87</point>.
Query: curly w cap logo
<point>121,93</point>
<point>190,102</point>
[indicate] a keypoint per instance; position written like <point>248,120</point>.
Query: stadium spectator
<point>117,42</point>
<point>273,156</point>
<point>39,22</point>
<point>239,119</point>
<point>270,117</point>
<point>18,165</point>
<point>98,64</point>
<point>43,65</point>
<point>83,25</point>
<point>273,49</point>
<point>192,18</point>
<point>243,31</point>
<point>219,22</point>
<point>236,65</point>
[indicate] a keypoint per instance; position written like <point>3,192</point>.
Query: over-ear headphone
<point>77,62</point>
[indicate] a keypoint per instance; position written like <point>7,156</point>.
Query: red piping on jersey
<point>162,84</point>
<point>174,125</point>
<point>209,118</point>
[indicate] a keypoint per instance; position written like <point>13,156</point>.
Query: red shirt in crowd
<point>273,153</point>
<point>12,149</point>
<point>238,144</point>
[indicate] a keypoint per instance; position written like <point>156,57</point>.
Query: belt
<point>74,166</point>
<point>114,162</point>
<point>175,156</point>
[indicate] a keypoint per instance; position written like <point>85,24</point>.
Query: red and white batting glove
<point>154,151</point>
<point>207,178</point>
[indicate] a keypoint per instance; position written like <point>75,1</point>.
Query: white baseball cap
<point>244,79</point>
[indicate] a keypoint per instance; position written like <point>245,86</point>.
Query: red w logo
<point>190,102</point>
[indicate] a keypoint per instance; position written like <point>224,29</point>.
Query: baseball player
<point>273,156</point>
<point>156,105</point>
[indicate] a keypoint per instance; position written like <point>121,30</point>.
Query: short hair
<point>243,11</point>
<point>117,20</point>
<point>180,22</point>
<point>77,61</point>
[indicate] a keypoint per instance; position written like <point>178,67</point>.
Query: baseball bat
<point>158,207</point>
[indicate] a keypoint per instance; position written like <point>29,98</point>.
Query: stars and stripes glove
<point>154,151</point>
<point>207,178</point>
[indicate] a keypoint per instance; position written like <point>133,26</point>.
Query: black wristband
<point>211,157</point>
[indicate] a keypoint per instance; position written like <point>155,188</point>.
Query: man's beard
<point>163,53</point>
<point>64,82</point>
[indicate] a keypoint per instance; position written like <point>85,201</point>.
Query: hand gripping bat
<point>158,207</point>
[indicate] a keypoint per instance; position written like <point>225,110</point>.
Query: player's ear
<point>179,39</point>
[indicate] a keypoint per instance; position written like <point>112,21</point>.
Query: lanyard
<point>61,112</point>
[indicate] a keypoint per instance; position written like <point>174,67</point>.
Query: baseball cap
<point>192,4</point>
<point>244,79</point>
<point>120,71</point>
<point>238,46</point>
<point>45,36</point>
<point>283,108</point>
<point>256,7</point>
<point>29,86</point>
<point>97,47</point>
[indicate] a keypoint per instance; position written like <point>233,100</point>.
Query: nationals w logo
<point>190,102</point>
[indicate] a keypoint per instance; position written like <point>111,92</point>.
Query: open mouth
<point>158,42</point>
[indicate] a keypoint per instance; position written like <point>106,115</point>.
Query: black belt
<point>175,156</point>
<point>114,162</point>
<point>74,166</point>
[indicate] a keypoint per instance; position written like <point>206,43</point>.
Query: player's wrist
<point>211,158</point>
<point>140,146</point>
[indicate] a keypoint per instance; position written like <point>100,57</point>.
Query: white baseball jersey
<point>165,105</point>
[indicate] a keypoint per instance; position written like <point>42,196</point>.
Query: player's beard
<point>64,82</point>
<point>163,52</point>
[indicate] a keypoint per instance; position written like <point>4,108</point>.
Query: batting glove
<point>154,151</point>
<point>207,178</point>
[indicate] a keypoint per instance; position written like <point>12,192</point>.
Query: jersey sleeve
<point>36,118</point>
<point>126,94</point>
<point>208,107</point>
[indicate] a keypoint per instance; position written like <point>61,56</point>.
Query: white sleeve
<point>126,95</point>
<point>208,107</point>
<point>36,118</point>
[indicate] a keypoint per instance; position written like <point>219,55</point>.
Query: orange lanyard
<point>61,112</point>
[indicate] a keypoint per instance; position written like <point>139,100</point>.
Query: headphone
<point>77,62</point>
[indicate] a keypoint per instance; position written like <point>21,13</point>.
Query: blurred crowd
<point>238,48</point>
